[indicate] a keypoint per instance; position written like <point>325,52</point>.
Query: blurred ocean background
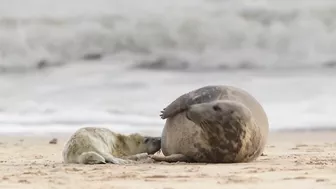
<point>66,64</point>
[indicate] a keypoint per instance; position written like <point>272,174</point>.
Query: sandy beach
<point>292,160</point>
<point>68,64</point>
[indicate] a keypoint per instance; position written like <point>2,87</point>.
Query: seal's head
<point>137,143</point>
<point>217,112</point>
<point>153,144</point>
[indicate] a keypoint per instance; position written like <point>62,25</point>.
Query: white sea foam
<point>131,100</point>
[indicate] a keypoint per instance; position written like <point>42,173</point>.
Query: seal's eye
<point>216,108</point>
<point>146,140</point>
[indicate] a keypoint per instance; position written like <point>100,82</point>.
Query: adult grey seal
<point>213,124</point>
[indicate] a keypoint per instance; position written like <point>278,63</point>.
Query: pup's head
<point>153,144</point>
<point>146,144</point>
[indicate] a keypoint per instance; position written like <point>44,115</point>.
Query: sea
<point>66,64</point>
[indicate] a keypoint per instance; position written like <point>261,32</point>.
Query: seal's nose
<point>158,142</point>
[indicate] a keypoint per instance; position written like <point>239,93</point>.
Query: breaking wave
<point>176,35</point>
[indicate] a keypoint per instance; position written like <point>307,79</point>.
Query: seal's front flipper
<point>137,157</point>
<point>118,161</point>
<point>114,160</point>
<point>198,96</point>
<point>172,158</point>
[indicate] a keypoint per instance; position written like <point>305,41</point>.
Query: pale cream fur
<point>92,145</point>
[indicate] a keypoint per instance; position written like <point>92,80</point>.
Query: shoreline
<point>291,134</point>
<point>158,131</point>
<point>273,133</point>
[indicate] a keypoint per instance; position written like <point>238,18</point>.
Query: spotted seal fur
<point>214,124</point>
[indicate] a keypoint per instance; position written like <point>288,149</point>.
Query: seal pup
<point>213,124</point>
<point>92,145</point>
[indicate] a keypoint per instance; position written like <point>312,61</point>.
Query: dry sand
<point>292,160</point>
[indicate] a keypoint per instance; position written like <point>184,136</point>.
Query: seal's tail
<point>91,158</point>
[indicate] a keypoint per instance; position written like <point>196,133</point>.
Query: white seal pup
<point>213,124</point>
<point>92,145</point>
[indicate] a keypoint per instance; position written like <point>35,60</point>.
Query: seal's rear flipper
<point>91,158</point>
<point>172,158</point>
